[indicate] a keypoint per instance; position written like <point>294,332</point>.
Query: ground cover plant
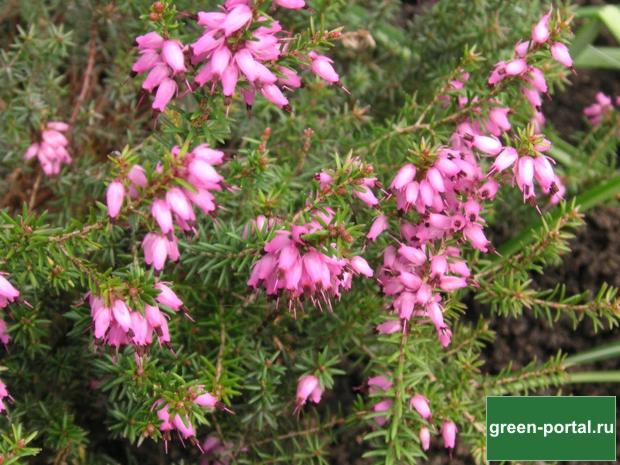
<point>278,231</point>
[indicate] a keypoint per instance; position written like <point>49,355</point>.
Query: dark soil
<point>594,260</point>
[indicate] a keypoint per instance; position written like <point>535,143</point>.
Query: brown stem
<point>78,232</point>
<point>35,191</point>
<point>90,65</point>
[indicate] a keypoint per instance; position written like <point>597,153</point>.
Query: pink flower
<point>206,400</point>
<point>389,327</point>
<point>475,235</point>
<point>537,79</point>
<point>521,48</point>
<point>115,195</point>
<point>560,190</point>
<point>382,406</point>
<point>598,110</point>
<point>237,18</point>
<point>488,145</point>
<point>540,32</point>
<point>543,172</point>
<point>325,179</point>
<point>273,93</point>
<point>379,225</point>
<point>206,43</point>
<point>153,316</point>
<point>498,73</point>
<point>120,325</point>
<point>162,214</point>
<point>156,76</point>
<point>524,173</point>
<point>360,266</point>
<point>246,63</point>
<point>184,426</point>
<point>177,207</point>
<point>157,249</point>
<point>172,54</point>
<point>167,297</point>
<point>151,40</point>
<point>8,293</point>
<point>379,383</point>
<point>289,79</point>
<point>420,404</point>
<point>308,387</point>
<point>425,438</point>
<point>448,432</point>
<point>560,53</point>
<point>290,4</point>
<point>532,96</point>
<point>365,194</point>
<point>515,67</point>
<point>404,176</point>
<point>499,117</point>
<point>4,393</point>
<point>166,90</point>
<point>5,338</point>
<point>180,204</point>
<point>52,149</point>
<point>321,66</point>
<point>220,60</point>
<point>137,176</point>
<point>504,160</point>
<point>257,52</point>
<point>121,314</point>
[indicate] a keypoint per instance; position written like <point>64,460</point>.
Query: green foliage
<point>76,401</point>
<point>596,18</point>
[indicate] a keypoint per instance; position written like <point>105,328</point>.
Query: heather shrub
<point>262,231</point>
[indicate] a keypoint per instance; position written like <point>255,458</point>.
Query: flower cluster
<point>416,278</point>
<point>447,190</point>
<point>116,324</point>
<point>443,196</point>
<point>175,205</point>
<point>529,162</point>
<point>162,59</point>
<point>448,429</point>
<point>603,107</point>
<point>52,149</point>
<point>181,422</point>
<point>378,385</point>
<point>238,45</point>
<point>294,267</point>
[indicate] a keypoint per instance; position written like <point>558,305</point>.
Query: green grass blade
<point>610,16</point>
<point>584,37</point>
<point>593,377</point>
<point>596,354</point>
<point>599,57</point>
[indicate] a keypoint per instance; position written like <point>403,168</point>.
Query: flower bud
<point>420,404</point>
<point>115,195</point>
